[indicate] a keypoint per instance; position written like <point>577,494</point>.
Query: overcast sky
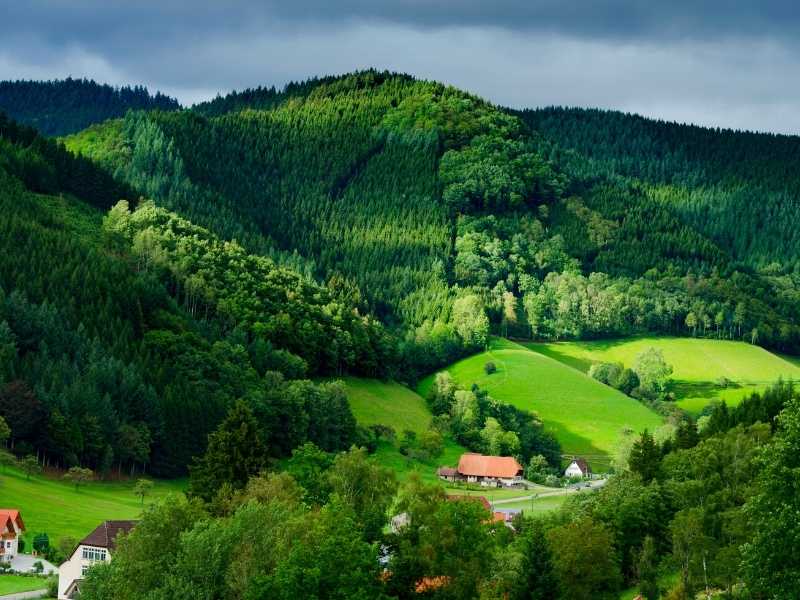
<point>723,63</point>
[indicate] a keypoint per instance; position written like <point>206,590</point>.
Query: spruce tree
<point>235,453</point>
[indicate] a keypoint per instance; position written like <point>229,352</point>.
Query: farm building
<point>485,470</point>
<point>578,468</point>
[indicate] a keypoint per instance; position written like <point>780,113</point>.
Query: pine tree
<point>235,453</point>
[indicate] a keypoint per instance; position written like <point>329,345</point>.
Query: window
<point>93,554</point>
<point>84,570</point>
<point>8,544</point>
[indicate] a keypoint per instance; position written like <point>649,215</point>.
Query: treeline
<point>691,515</point>
<point>61,107</point>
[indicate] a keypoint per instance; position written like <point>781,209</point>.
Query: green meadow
<point>14,584</point>
<point>698,364</point>
<point>375,402</point>
<point>55,507</point>
<point>586,416</point>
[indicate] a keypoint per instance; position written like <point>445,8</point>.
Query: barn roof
<point>478,465</point>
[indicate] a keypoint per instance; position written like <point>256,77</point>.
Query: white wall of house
<point>573,470</point>
<point>77,565</point>
<point>11,548</point>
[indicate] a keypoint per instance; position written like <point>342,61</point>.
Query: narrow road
<point>25,595</point>
<point>555,492</point>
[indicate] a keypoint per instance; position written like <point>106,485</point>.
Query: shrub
<point>41,543</point>
<point>627,381</point>
<point>490,368</point>
<point>606,373</point>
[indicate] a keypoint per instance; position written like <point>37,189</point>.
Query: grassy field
<point>537,505</point>
<point>54,507</point>
<point>12,584</point>
<point>586,416</point>
<point>387,403</point>
<point>698,364</point>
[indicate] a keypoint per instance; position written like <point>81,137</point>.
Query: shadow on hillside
<point>574,445</point>
<point>552,351</point>
<point>698,389</point>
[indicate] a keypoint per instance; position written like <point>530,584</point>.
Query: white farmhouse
<point>95,547</point>
<point>11,527</point>
<point>578,468</point>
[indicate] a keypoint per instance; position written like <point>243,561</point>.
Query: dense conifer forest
<point>70,105</point>
<point>180,287</point>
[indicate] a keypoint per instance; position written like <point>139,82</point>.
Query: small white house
<point>578,468</point>
<point>11,528</point>
<point>95,547</point>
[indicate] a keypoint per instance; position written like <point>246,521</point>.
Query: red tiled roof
<point>14,515</point>
<point>478,465</point>
<point>6,525</point>
<point>105,534</point>
<point>428,584</point>
<point>481,499</point>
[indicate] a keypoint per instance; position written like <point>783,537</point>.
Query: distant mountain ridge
<point>65,106</point>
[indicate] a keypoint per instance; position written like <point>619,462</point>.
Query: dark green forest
<point>69,105</point>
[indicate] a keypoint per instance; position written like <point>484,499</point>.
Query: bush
<point>41,543</point>
<point>552,481</point>
<point>490,368</point>
<point>408,442</point>
<point>606,373</point>
<point>627,381</point>
<point>366,438</point>
<point>38,566</point>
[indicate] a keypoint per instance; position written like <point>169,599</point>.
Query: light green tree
<point>652,370</point>
<point>142,488</point>
<point>79,476</point>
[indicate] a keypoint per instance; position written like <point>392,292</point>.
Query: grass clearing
<point>14,584</point>
<point>54,507</point>
<point>376,402</point>
<point>698,364</point>
<point>586,416</point>
<point>389,403</point>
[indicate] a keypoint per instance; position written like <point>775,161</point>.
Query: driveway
<point>23,563</point>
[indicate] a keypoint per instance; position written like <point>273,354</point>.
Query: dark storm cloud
<point>718,63</point>
<point>105,20</point>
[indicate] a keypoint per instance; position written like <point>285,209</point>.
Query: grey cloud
<point>720,65</point>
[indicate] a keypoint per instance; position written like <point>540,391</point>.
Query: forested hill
<point>125,337</point>
<point>739,188</point>
<point>65,106</point>
<point>447,217</point>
